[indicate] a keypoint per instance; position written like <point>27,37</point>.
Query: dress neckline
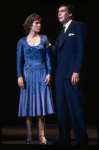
<point>31,45</point>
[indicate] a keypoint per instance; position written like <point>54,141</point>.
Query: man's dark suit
<point>69,54</point>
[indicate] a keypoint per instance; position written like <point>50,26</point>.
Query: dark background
<point>14,15</point>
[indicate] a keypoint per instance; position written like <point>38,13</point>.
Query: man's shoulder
<point>79,24</point>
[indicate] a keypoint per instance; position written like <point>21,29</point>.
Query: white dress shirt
<point>67,25</point>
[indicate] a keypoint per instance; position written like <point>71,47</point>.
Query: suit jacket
<point>69,54</point>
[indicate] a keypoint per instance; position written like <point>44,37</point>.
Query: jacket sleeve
<point>81,43</point>
<point>19,58</point>
<point>48,56</point>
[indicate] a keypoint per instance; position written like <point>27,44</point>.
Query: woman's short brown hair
<point>29,21</point>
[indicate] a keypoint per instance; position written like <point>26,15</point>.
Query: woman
<point>34,81</point>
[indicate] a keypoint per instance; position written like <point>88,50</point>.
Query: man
<point>69,54</point>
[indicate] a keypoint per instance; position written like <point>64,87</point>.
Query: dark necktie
<point>61,35</point>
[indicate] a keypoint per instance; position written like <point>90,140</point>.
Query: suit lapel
<point>66,34</point>
<point>56,45</point>
<point>58,39</point>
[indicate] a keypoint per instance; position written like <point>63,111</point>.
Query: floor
<point>17,134</point>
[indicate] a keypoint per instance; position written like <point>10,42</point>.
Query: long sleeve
<point>19,58</point>
<point>81,42</point>
<point>48,57</point>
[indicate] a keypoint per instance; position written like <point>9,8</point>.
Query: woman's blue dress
<point>36,97</point>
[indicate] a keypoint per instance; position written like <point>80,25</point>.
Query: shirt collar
<point>67,24</point>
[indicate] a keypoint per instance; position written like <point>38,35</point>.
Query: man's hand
<point>75,78</point>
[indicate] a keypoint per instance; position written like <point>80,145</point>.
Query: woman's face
<point>36,26</point>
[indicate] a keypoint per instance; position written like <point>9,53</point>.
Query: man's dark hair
<point>70,8</point>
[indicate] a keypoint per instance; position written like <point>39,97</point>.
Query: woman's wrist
<point>20,78</point>
<point>49,74</point>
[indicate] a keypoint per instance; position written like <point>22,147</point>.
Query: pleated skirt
<point>36,97</point>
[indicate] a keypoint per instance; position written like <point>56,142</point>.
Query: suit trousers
<point>70,110</point>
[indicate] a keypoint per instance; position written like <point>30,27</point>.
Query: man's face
<point>63,15</point>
